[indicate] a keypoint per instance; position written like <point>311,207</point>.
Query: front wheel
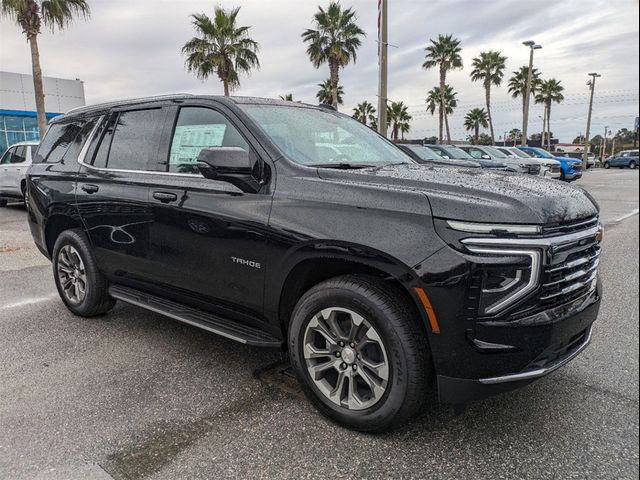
<point>81,286</point>
<point>360,353</point>
<point>3,203</point>
<point>607,165</point>
<point>632,165</point>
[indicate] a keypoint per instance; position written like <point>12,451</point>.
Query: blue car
<point>571,168</point>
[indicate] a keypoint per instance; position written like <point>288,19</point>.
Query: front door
<point>208,236</point>
<point>5,169</point>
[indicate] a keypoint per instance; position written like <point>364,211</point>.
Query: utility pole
<point>525,119</point>
<point>382,66</point>
<point>603,150</point>
<point>587,148</point>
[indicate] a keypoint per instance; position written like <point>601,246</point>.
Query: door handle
<point>90,188</point>
<point>165,197</point>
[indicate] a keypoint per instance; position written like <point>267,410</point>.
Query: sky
<point>132,48</point>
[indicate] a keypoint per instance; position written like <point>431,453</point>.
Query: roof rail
<point>130,101</point>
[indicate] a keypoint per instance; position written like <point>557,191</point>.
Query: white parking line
<point>28,301</point>
<point>630,214</point>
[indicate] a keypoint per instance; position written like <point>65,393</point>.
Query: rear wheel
<point>607,165</point>
<point>360,353</point>
<point>81,286</point>
<point>3,203</point>
<point>632,165</point>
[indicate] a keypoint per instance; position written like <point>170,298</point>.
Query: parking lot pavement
<point>136,395</point>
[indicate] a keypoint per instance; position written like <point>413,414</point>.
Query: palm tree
<point>31,15</point>
<point>222,47</point>
<point>488,67</point>
<point>515,135</point>
<point>365,113</point>
<point>434,101</point>
<point>288,97</point>
<point>334,41</point>
<point>518,84</point>
<point>326,93</point>
<point>550,91</point>
<point>399,118</point>
<point>476,118</point>
<point>443,53</point>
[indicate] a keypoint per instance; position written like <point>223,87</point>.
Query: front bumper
<point>542,344</point>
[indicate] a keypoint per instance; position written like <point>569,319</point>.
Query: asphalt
<point>135,395</point>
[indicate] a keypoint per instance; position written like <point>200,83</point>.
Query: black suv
<point>279,224</point>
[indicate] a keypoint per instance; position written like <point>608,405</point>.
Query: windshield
<point>424,153</point>
<point>450,152</point>
<point>494,152</point>
<point>519,153</point>
<point>314,137</point>
<point>540,153</point>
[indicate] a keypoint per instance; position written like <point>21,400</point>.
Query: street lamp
<point>592,86</point>
<point>525,120</point>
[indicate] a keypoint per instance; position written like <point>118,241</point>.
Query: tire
<point>632,165</point>
<point>402,347</point>
<point>3,203</point>
<point>563,176</point>
<point>72,260</point>
<point>23,189</point>
<point>607,165</point>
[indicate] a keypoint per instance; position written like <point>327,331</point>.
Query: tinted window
<point>56,141</point>
<point>6,158</point>
<point>198,128</point>
<point>475,153</point>
<point>73,150</point>
<point>19,155</point>
<point>99,149</point>
<point>134,139</point>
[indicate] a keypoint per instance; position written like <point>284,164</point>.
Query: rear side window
<point>56,141</point>
<point>198,128</point>
<point>73,150</point>
<point>6,158</point>
<point>19,155</point>
<point>135,139</point>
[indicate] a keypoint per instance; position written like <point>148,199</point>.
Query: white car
<point>549,168</point>
<point>13,169</point>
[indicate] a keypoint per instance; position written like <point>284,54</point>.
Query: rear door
<point>113,190</point>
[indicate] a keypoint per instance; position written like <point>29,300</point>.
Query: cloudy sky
<point>132,48</point>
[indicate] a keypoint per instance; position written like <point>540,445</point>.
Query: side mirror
<point>446,157</point>
<point>228,164</point>
<point>485,157</point>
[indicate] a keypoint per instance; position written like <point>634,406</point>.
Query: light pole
<point>532,46</point>
<point>382,68</point>
<point>592,87</point>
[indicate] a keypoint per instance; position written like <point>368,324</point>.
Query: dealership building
<point>18,106</point>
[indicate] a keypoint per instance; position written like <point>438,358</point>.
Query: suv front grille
<point>571,253</point>
<point>534,169</point>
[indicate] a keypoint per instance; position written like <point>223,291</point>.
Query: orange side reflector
<point>433,321</point>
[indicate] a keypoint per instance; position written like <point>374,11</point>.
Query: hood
<point>479,195</point>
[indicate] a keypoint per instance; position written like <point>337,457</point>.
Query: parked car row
<point>626,158</point>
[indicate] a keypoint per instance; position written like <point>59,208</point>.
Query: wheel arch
<point>311,269</point>
<point>56,224</point>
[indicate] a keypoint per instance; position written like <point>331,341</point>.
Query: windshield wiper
<point>342,165</point>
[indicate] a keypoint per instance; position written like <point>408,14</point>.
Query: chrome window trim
<point>85,149</point>
<point>534,277</point>
<point>540,371</point>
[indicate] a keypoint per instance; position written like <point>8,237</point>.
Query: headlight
<point>503,285</point>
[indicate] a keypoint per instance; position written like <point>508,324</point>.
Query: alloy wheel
<point>346,358</point>
<point>71,274</point>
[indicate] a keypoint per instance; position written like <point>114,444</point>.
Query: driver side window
<point>6,158</point>
<point>475,153</point>
<point>198,128</point>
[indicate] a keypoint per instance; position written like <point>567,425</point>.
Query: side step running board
<point>198,318</point>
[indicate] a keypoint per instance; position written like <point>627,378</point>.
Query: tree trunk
<point>225,83</point>
<point>487,94</point>
<point>544,127</point>
<point>335,78</point>
<point>549,127</point>
<point>446,122</point>
<point>477,135</point>
<point>37,84</point>
<point>441,115</point>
